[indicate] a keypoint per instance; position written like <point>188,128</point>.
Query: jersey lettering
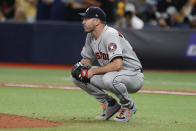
<point>101,55</point>
<point>119,34</point>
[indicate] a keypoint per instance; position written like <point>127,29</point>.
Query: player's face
<point>89,24</point>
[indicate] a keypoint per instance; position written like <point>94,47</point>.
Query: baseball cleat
<point>108,110</point>
<point>125,114</point>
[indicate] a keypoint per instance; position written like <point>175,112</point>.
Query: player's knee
<point>107,80</point>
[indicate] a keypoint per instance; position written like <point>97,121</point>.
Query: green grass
<point>170,80</point>
<point>41,76</point>
<point>154,80</point>
<point>76,110</point>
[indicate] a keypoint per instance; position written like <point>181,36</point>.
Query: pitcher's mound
<point>15,121</point>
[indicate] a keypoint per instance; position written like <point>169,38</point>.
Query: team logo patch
<point>112,47</point>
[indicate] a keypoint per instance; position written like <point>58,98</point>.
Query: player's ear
<point>98,21</point>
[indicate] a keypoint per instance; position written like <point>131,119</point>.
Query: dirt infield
<point>15,121</point>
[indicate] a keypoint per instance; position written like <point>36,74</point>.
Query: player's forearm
<point>86,62</point>
<point>115,65</point>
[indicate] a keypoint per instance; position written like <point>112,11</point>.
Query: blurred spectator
<point>142,9</point>
<point>108,6</point>
<point>59,10</point>
<point>63,9</point>
<point>25,10</point>
<point>7,10</point>
<point>188,12</point>
<point>151,12</point>
<point>167,13</point>
<point>52,10</point>
<point>172,20</point>
<point>129,13</point>
<point>76,6</point>
<point>161,14</point>
<point>130,19</point>
<point>125,13</point>
<point>192,16</point>
<point>82,4</point>
<point>138,12</point>
<point>43,9</point>
<point>119,12</point>
<point>2,18</point>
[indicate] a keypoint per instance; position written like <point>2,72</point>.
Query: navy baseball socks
<point>109,109</point>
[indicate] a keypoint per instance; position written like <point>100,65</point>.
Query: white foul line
<point>167,92</point>
<point>65,87</point>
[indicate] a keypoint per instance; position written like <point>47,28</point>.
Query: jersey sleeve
<point>112,43</point>
<point>87,51</point>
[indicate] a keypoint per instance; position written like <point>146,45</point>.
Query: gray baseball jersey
<point>109,45</point>
<point>129,79</point>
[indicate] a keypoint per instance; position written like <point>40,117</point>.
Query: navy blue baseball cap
<point>94,12</point>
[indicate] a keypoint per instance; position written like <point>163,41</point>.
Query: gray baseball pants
<point>121,83</point>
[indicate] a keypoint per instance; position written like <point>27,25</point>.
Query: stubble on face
<point>88,30</point>
<point>88,25</point>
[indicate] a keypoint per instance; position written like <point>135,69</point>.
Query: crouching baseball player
<point>119,70</point>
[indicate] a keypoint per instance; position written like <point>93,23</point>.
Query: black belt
<point>141,70</point>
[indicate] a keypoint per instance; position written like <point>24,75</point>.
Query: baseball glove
<point>80,72</point>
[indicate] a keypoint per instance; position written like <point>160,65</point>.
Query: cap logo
<point>97,15</point>
<point>87,9</point>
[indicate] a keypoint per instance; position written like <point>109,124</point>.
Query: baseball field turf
<point>75,110</point>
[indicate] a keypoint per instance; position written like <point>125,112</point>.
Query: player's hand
<point>91,72</point>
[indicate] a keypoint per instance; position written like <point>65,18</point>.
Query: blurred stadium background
<point>48,34</point>
<point>50,31</point>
